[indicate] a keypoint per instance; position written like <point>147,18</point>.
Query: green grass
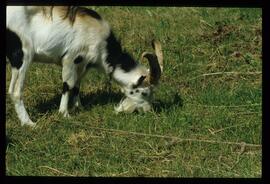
<point>190,103</point>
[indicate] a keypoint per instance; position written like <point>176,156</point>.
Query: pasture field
<point>207,115</point>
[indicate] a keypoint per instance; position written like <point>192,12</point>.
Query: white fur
<point>52,39</point>
<point>127,78</point>
<point>128,105</point>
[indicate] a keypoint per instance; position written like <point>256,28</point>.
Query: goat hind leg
<point>17,90</point>
<point>14,77</point>
<point>20,55</point>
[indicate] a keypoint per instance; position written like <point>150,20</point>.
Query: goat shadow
<point>167,105</point>
<point>100,97</point>
<point>8,142</point>
<point>104,97</point>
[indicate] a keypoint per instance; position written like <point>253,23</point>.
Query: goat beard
<point>129,105</point>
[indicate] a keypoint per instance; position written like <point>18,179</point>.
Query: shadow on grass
<point>162,105</point>
<point>9,142</point>
<point>103,97</point>
<point>48,105</point>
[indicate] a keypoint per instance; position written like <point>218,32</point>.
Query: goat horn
<point>157,47</point>
<point>155,63</point>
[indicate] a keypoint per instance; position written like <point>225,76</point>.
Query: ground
<point>206,120</point>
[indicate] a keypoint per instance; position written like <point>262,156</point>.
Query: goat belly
<point>52,40</point>
<point>43,58</point>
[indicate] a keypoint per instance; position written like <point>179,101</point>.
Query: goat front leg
<point>64,100</point>
<point>81,71</point>
<point>76,101</point>
<point>69,76</point>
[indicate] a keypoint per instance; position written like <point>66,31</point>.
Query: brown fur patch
<point>70,12</point>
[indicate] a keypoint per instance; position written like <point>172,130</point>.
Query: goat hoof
<point>79,107</point>
<point>77,104</point>
<point>29,123</point>
<point>64,113</point>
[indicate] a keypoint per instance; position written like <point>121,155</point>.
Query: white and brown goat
<point>75,38</point>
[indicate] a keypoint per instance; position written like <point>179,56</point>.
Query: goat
<point>75,38</point>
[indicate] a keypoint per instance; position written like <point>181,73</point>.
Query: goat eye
<point>131,92</point>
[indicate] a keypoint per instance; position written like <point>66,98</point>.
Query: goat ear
<point>139,82</point>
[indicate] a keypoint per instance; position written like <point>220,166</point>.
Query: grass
<point>211,89</point>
